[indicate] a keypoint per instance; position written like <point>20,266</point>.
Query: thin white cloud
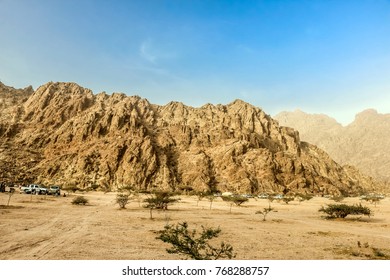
<point>146,51</point>
<point>158,52</point>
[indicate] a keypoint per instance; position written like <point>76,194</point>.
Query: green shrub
<point>80,200</point>
<point>193,245</point>
<point>235,199</point>
<point>122,199</point>
<point>265,212</point>
<point>160,200</point>
<point>343,210</point>
<point>373,198</point>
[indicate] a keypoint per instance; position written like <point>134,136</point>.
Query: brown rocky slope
<point>64,134</point>
<point>365,143</point>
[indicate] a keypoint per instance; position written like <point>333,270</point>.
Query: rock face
<point>365,143</point>
<point>64,134</point>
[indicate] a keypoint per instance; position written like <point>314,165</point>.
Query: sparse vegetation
<point>373,198</point>
<point>10,194</point>
<point>122,199</point>
<point>234,200</point>
<point>364,252</point>
<point>159,200</point>
<point>343,210</point>
<point>265,211</point>
<point>211,198</point>
<point>193,245</point>
<point>80,200</point>
<point>357,237</point>
<point>199,197</point>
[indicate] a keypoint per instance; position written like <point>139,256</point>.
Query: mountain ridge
<point>67,135</point>
<point>363,143</point>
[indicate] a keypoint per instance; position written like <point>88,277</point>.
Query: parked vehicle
<point>54,190</point>
<point>263,196</point>
<point>34,189</point>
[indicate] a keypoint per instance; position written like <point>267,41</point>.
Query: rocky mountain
<point>10,106</point>
<point>365,143</point>
<point>64,134</point>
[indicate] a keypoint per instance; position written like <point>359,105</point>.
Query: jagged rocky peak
<point>54,103</point>
<point>211,124</point>
<point>4,89</point>
<point>11,107</point>
<point>10,96</point>
<point>54,93</point>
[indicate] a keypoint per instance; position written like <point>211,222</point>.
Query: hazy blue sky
<point>328,57</point>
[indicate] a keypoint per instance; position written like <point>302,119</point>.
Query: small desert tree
<point>126,193</point>
<point>195,245</point>
<point>10,194</point>
<point>159,200</point>
<point>234,200</point>
<point>265,211</point>
<point>199,197</point>
<point>343,210</point>
<point>304,197</point>
<point>373,198</point>
<point>122,199</point>
<point>211,198</point>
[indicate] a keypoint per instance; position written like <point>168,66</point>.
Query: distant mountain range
<point>365,143</point>
<point>66,135</point>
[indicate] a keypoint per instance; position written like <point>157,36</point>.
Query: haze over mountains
<point>64,134</point>
<point>365,143</point>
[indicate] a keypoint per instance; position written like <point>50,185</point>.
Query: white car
<point>34,189</point>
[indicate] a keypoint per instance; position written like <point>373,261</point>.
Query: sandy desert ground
<point>52,228</point>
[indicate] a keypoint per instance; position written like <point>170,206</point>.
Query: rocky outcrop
<point>67,135</point>
<point>11,108</point>
<point>364,143</point>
